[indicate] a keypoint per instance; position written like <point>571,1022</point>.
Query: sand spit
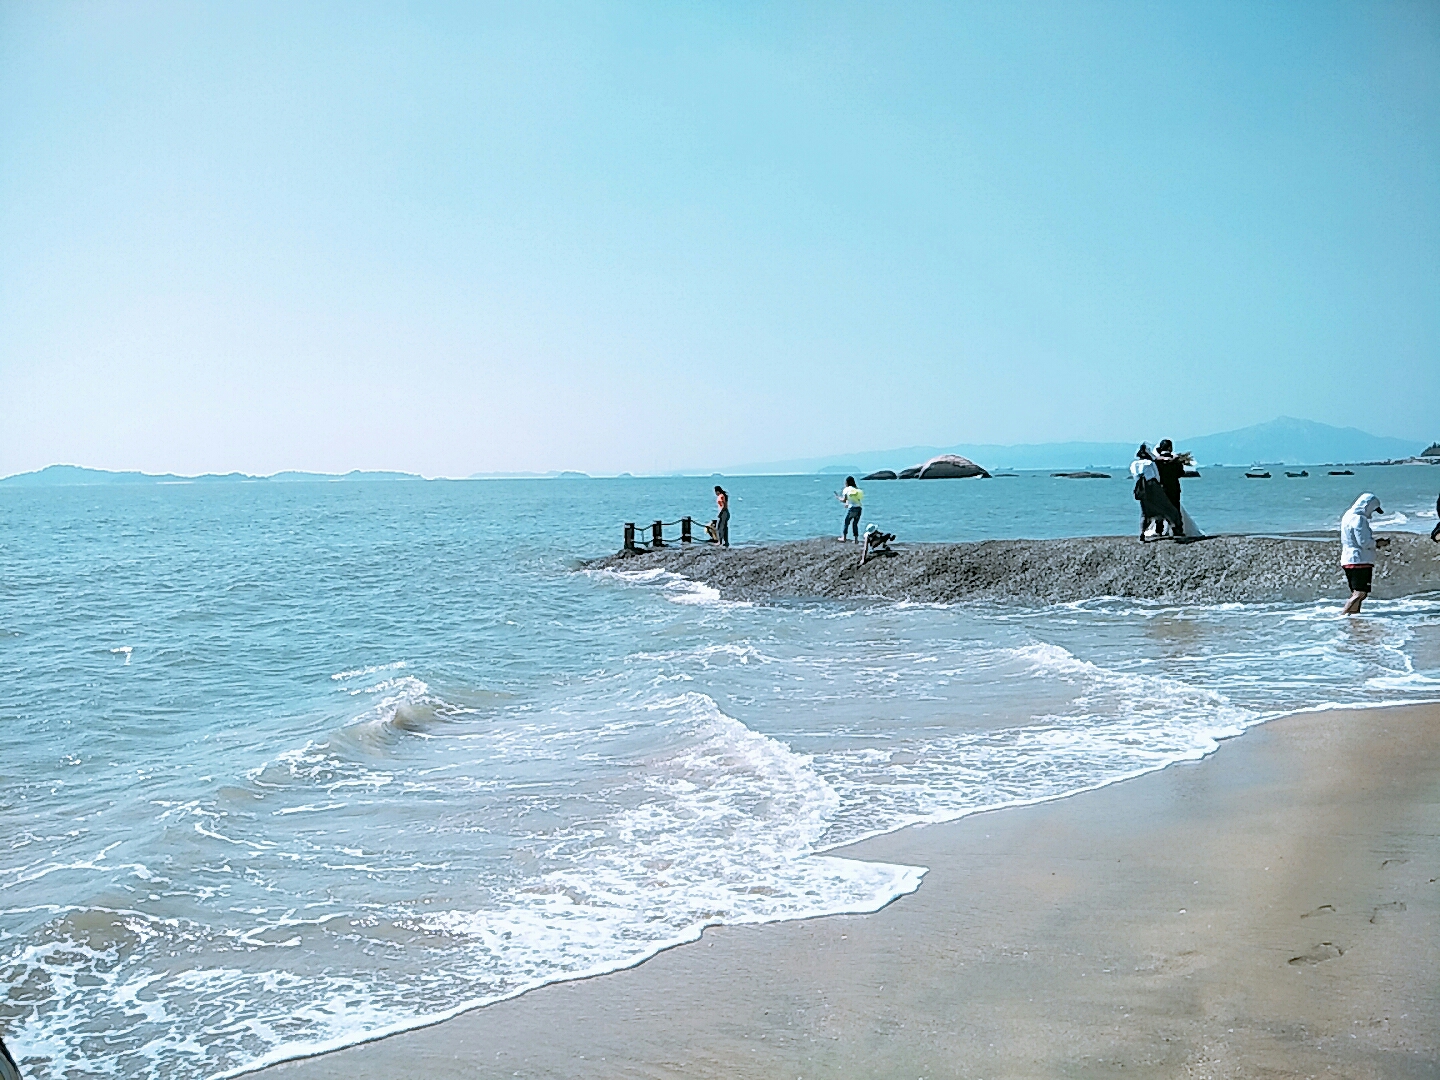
<point>1217,570</point>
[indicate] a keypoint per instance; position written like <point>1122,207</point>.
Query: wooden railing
<point>657,534</point>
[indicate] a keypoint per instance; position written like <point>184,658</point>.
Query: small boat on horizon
<point>1251,474</point>
<point>1341,472</point>
<point>1297,475</point>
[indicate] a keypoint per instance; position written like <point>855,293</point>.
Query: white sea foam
<point>676,588</point>
<point>1118,724</point>
<point>371,670</point>
<point>723,831</point>
<point>720,827</point>
<point>707,655</point>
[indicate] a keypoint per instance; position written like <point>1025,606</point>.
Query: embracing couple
<point>1157,488</point>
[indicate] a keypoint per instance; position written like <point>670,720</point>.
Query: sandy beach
<point>1270,911</point>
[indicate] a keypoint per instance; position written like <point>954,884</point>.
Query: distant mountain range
<point>78,476</point>
<point>1284,440</point>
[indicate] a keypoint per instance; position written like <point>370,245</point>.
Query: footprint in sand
<point>1392,908</point>
<point>1323,909</point>
<point>1180,964</point>
<point>1326,950</point>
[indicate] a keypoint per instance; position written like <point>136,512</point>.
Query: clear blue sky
<point>450,238</point>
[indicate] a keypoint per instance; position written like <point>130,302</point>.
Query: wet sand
<point>1217,570</point>
<point>1272,911</point>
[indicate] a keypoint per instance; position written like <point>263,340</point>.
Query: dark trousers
<point>852,520</point>
<point>1156,506</point>
<point>1172,492</point>
<point>722,528</point>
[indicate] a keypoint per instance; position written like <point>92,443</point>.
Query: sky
<point>459,238</point>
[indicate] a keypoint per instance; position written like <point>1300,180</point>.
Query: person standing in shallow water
<point>852,497</point>
<point>1358,550</point>
<point>722,519</point>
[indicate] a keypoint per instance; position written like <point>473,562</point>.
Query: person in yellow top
<point>852,497</point>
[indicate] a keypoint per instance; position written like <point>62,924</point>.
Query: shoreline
<point>1212,570</point>
<point>531,1030</point>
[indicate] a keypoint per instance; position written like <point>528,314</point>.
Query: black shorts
<point>1359,577</point>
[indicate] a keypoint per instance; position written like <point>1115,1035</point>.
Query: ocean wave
<point>396,665</point>
<point>706,655</point>
<point>677,588</point>
<point>709,822</point>
<point>405,708</point>
<point>1114,725</point>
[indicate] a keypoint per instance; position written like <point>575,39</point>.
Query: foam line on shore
<point>668,948</point>
<point>1110,781</point>
<point>907,881</point>
<point>907,884</point>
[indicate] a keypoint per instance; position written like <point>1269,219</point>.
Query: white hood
<point>1357,544</point>
<point>1365,505</point>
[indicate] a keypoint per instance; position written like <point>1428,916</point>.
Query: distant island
<point>78,476</point>
<point>1284,440</point>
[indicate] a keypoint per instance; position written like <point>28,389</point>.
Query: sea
<point>288,766</point>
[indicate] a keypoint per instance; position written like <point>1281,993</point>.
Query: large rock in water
<point>883,474</point>
<point>949,467</point>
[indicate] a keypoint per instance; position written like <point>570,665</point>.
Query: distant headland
<point>1284,440</point>
<point>79,476</point>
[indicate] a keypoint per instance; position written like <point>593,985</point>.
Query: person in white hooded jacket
<point>1357,550</point>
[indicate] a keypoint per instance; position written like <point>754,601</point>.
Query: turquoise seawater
<point>287,765</point>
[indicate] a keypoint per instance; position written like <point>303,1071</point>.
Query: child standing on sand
<point>852,497</point>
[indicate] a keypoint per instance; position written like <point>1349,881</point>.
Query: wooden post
<point>629,536</point>
<point>685,530</point>
<point>657,540</point>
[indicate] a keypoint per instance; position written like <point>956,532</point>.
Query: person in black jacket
<point>1171,467</point>
<point>1155,508</point>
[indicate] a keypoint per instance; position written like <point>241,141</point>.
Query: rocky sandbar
<point>1216,570</point>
